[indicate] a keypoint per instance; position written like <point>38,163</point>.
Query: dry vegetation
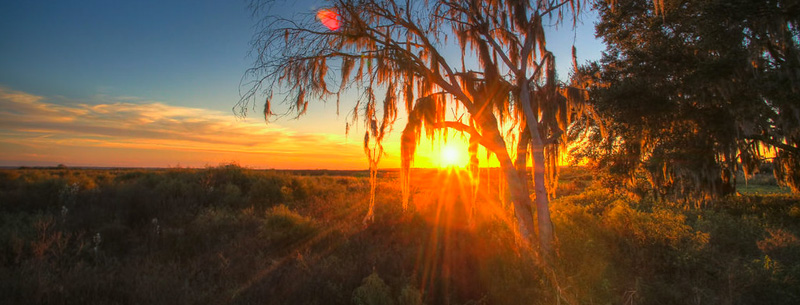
<point>228,235</point>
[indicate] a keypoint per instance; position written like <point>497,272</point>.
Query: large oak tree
<point>694,91</point>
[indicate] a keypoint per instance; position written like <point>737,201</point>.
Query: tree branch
<point>792,149</point>
<point>463,128</point>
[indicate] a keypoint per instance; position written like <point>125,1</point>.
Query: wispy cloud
<point>126,131</point>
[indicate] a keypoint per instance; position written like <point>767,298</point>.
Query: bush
<point>265,192</point>
<point>410,296</point>
<point>242,236</point>
<point>373,291</point>
<point>228,174</point>
<point>284,228</point>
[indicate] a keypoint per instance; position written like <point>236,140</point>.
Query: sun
<point>451,156</point>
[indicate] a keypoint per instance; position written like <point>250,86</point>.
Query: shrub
<point>373,291</point>
<point>228,174</point>
<point>230,195</point>
<point>283,227</point>
<point>780,244</point>
<point>410,296</point>
<point>660,227</point>
<point>265,192</point>
<point>241,236</point>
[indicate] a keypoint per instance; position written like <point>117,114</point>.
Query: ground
<point>229,235</point>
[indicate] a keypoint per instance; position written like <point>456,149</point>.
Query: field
<point>230,235</point>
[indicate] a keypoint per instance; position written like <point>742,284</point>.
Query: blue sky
<point>177,53</point>
<point>182,52</point>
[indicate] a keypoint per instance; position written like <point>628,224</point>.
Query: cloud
<point>37,129</point>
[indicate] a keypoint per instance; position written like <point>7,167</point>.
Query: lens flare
<point>329,18</point>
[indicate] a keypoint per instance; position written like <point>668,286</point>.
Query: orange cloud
<point>124,132</point>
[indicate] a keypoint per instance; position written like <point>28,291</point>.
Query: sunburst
<point>452,156</point>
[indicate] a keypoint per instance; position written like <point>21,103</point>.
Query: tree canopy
<point>697,91</point>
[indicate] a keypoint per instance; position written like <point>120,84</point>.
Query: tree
<point>397,49</point>
<point>693,91</point>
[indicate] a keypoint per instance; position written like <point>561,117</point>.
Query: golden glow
<point>452,155</point>
<point>39,132</point>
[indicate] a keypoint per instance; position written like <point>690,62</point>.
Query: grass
<point>760,184</point>
<point>230,235</point>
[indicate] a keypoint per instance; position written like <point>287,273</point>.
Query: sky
<point>152,84</point>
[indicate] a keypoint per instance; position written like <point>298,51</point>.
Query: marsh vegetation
<point>231,235</point>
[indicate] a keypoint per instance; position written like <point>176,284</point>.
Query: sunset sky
<point>152,83</point>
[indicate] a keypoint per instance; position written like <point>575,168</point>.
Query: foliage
<point>695,92</point>
<point>627,252</point>
<point>373,292</point>
<point>195,247</point>
<point>410,296</point>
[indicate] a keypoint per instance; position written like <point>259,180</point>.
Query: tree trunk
<point>518,188</point>
<point>475,174</point>
<point>540,190</point>
<point>540,193</point>
<point>522,153</point>
<point>517,184</point>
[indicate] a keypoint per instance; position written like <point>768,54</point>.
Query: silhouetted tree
<point>693,91</point>
<point>397,49</point>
